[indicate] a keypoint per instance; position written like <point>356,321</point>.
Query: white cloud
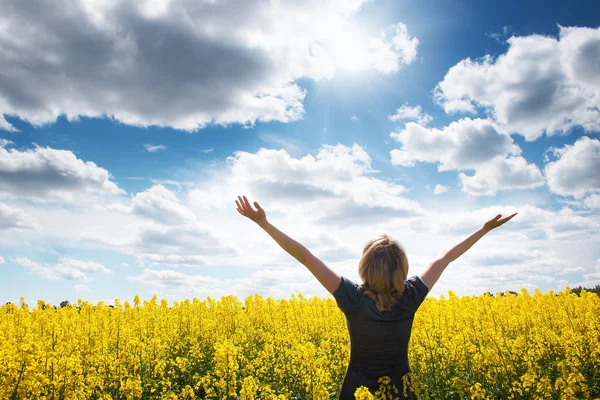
<point>81,289</point>
<point>161,205</point>
<point>154,148</point>
<point>407,113</point>
<point>236,62</point>
<point>207,150</point>
<point>439,189</point>
<point>66,268</point>
<point>576,172</point>
<point>331,188</point>
<point>2,260</point>
<point>592,278</point>
<point>5,142</point>
<point>463,144</point>
<point>354,118</point>
<point>592,201</point>
<point>467,144</point>
<point>504,174</point>
<point>541,84</point>
<point>47,174</point>
<point>6,126</point>
<point>331,202</point>
<point>276,283</point>
<point>531,223</point>
<point>171,260</point>
<point>187,245</point>
<point>353,49</point>
<point>163,232</point>
<point>403,42</point>
<point>11,217</point>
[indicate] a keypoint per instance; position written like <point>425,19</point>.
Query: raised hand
<point>497,221</point>
<point>245,209</point>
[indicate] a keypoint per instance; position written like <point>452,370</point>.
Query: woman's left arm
<point>328,278</point>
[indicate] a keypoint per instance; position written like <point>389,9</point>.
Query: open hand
<point>244,208</point>
<point>497,221</point>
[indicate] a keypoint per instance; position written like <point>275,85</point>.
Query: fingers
<point>503,220</point>
<point>247,203</point>
<point>244,206</point>
<point>240,205</point>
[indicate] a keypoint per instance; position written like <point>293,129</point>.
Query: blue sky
<point>128,129</point>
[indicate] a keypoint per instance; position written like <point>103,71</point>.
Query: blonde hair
<point>383,268</point>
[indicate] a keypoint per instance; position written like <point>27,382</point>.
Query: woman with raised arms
<point>379,312</point>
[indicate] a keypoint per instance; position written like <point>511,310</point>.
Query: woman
<point>380,312</point>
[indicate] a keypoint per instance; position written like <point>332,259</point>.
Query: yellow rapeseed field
<point>525,346</point>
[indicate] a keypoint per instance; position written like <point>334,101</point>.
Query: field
<point>518,346</point>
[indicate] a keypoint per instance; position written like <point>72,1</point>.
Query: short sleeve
<point>347,295</point>
<point>415,291</point>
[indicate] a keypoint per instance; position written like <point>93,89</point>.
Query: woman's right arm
<point>433,272</point>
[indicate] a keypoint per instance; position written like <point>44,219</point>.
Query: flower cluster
<point>521,346</point>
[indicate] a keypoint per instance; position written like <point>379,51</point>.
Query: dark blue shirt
<point>378,339</point>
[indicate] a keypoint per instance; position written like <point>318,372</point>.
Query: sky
<point>128,129</point>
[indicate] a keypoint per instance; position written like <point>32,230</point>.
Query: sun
<point>350,49</point>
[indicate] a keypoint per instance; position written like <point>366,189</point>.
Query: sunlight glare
<point>349,49</point>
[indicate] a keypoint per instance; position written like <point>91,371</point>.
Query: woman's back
<point>378,339</point>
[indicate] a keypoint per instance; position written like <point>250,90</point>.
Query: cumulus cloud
<point>463,144</point>
<point>439,189</point>
<point>183,64</point>
<point>11,217</point>
<point>43,173</point>
<point>5,142</point>
<point>65,269</point>
<point>354,50</point>
<point>277,283</point>
<point>592,201</point>
<point>332,187</point>
<point>162,232</point>
<point>6,126</point>
<point>504,174</point>
<point>467,144</point>
<point>592,278</point>
<point>81,289</point>
<point>167,245</point>
<point>154,148</point>
<point>331,202</point>
<point>540,85</point>
<point>576,171</point>
<point>408,113</point>
<point>161,205</point>
<point>531,223</point>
